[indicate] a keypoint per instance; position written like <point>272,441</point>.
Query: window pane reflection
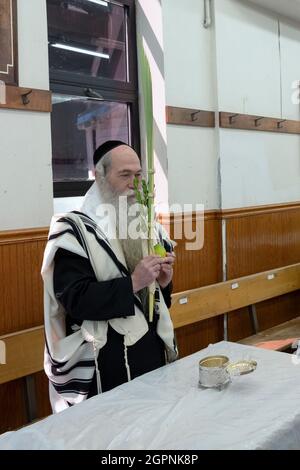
<point>79,126</point>
<point>87,37</point>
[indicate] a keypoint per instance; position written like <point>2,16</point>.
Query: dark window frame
<point>110,90</point>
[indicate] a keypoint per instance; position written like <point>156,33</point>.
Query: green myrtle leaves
<point>142,196</point>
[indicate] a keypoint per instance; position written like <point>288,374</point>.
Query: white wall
<point>259,168</point>
<point>193,166</point>
<point>26,198</point>
<point>247,59</point>
<point>33,44</point>
<point>189,55</point>
<point>245,63</point>
<point>290,67</point>
<point>67,204</point>
<point>257,61</point>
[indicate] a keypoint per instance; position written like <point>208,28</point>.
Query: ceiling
<point>288,8</point>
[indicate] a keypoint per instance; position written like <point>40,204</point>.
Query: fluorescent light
<point>81,51</point>
<point>99,2</point>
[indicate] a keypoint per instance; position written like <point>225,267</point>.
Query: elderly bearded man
<point>98,333</point>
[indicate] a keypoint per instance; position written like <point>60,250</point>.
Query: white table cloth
<point>166,410</point>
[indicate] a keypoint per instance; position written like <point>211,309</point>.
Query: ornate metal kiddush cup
<point>213,372</point>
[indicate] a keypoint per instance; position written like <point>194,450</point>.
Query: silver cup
<point>213,372</point>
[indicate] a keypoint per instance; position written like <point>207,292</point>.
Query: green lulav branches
<point>146,196</point>
<point>145,193</point>
<point>141,196</point>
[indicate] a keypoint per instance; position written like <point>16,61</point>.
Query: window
<point>93,77</point>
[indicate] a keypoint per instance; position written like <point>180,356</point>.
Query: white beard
<point>133,252</point>
<point>132,248</point>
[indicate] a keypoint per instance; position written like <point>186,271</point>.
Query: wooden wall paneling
<point>195,269</point>
<point>190,117</point>
<point>12,406</point>
<point>27,99</point>
<point>21,307</point>
<point>273,312</point>
<point>13,413</point>
<point>259,239</point>
<point>200,267</point>
<point>192,338</point>
<point>258,123</point>
<point>239,325</point>
<point>42,395</point>
<point>262,240</point>
<point>21,291</point>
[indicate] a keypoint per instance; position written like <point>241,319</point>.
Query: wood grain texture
<point>13,413</point>
<point>8,237</point>
<point>192,338</point>
<point>37,100</point>
<point>258,123</point>
<point>8,42</point>
<point>42,394</point>
<point>24,354</point>
<point>21,290</point>
<point>259,239</point>
<point>12,406</point>
<point>209,301</point>
<point>258,210</point>
<point>262,241</point>
<point>289,332</point>
<point>194,269</point>
<point>190,117</point>
<point>269,313</point>
<point>21,307</point>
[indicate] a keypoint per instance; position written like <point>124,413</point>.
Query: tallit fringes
<point>98,377</point>
<point>126,362</point>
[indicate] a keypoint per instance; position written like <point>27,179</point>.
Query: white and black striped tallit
<point>70,361</point>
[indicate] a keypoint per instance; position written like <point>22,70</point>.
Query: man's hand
<point>146,272</point>
<point>166,270</point>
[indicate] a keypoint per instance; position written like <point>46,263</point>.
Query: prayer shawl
<point>70,361</point>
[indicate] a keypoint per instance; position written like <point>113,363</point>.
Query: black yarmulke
<point>106,147</point>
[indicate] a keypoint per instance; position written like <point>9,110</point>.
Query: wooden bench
<point>24,356</point>
<point>211,301</point>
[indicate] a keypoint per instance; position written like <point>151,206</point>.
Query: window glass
<point>79,126</point>
<point>93,79</point>
<point>88,37</point>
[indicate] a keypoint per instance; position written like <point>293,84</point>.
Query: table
<point>166,410</point>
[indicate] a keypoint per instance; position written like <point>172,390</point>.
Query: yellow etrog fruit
<point>160,250</point>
